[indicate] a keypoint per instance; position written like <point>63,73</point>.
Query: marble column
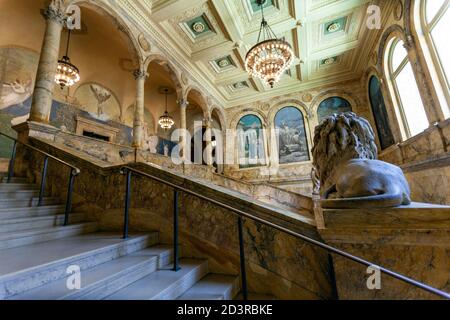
<point>183,125</point>
<point>48,63</point>
<point>208,138</point>
<point>138,122</point>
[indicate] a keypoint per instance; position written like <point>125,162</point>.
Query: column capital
<point>207,122</point>
<point>139,74</point>
<point>183,103</point>
<point>409,43</point>
<point>55,11</point>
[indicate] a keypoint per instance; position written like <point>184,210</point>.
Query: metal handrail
<point>73,173</point>
<point>128,170</point>
<point>76,170</point>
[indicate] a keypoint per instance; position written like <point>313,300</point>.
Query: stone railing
<point>425,160</point>
<point>412,240</point>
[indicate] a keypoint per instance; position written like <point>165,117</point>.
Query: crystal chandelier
<point>270,57</point>
<point>66,74</point>
<point>165,121</point>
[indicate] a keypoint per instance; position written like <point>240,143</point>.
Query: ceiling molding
<point>235,28</point>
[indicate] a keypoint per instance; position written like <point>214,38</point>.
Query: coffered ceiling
<point>330,40</point>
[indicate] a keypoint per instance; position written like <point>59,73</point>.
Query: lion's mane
<point>340,138</point>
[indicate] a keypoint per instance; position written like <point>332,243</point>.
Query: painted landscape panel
<point>250,142</point>
<point>291,136</point>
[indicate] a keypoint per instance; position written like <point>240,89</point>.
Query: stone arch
<point>170,68</point>
<point>354,102</point>
<point>204,100</point>
<point>289,102</point>
<point>394,31</point>
<point>109,10</point>
<point>12,46</point>
<point>221,115</point>
<point>234,121</point>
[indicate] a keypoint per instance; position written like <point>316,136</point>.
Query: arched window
<point>380,113</point>
<point>435,18</point>
<point>291,136</point>
<point>331,106</point>
<point>250,142</point>
<point>404,86</point>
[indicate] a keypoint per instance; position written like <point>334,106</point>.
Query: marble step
<point>22,238</point>
<point>32,202</point>
<point>11,213</point>
<point>18,194</point>
<point>4,179</point>
<point>29,267</point>
<point>17,186</point>
<point>104,279</point>
<point>213,287</point>
<point>165,284</point>
<point>22,224</point>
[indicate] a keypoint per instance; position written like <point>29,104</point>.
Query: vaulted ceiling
<point>330,40</point>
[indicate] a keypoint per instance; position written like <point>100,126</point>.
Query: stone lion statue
<point>347,169</point>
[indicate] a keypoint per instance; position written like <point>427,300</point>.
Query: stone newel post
<point>183,138</point>
<point>208,138</point>
<point>48,62</point>
<point>138,123</point>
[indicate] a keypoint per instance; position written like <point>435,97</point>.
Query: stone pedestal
<point>35,130</point>
<point>412,240</point>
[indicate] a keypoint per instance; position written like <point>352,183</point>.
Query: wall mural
<point>99,102</point>
<point>64,116</point>
<point>331,106</point>
<point>250,141</point>
<point>380,114</point>
<point>291,136</point>
<point>18,67</point>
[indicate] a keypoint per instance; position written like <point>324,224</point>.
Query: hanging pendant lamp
<point>165,121</point>
<point>270,57</point>
<point>67,74</point>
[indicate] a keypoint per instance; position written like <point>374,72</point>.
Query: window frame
<point>394,91</point>
<point>427,29</point>
<point>393,74</point>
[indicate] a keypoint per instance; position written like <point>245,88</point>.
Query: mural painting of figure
<point>14,93</point>
<point>102,95</point>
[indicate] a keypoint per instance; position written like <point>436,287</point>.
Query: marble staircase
<point>36,253</point>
